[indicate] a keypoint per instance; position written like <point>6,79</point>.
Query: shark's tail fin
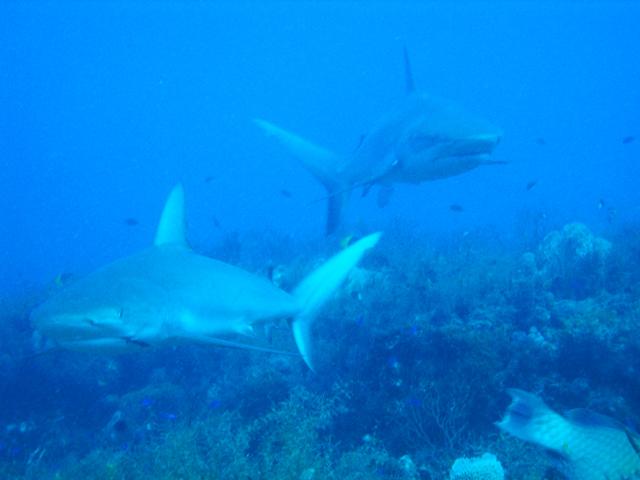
<point>322,163</point>
<point>315,289</point>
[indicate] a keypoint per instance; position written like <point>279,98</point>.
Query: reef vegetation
<point>413,361</point>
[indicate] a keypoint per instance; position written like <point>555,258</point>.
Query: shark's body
<point>423,139</point>
<point>168,294</point>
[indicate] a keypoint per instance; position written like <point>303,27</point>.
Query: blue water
<point>104,106</point>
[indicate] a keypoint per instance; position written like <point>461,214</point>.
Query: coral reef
<point>414,358</point>
<point>486,467</point>
<point>573,261</point>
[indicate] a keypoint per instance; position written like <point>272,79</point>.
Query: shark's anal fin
<point>171,228</point>
<point>409,84</point>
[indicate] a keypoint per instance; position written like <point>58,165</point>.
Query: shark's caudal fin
<point>172,227</point>
<point>320,162</point>
<point>315,289</point>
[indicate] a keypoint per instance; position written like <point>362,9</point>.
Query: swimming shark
<point>425,138</point>
<point>168,294</point>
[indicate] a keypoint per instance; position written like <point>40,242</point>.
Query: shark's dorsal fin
<point>409,85</point>
<point>171,229</point>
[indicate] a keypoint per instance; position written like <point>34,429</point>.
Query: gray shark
<point>425,138</point>
<point>168,294</point>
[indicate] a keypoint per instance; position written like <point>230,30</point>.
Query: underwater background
<point>521,275</point>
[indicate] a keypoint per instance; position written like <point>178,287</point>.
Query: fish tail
<point>322,164</point>
<point>316,289</point>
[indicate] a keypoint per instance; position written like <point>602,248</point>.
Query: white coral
<point>486,467</point>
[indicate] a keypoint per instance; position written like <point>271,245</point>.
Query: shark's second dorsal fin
<point>409,85</point>
<point>171,229</point>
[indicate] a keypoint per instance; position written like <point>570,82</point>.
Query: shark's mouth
<point>479,146</point>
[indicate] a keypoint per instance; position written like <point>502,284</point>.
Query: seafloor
<point>415,355</point>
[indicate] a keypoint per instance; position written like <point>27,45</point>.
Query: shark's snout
<point>72,325</point>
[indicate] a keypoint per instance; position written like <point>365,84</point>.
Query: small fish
<point>285,193</point>
<point>541,141</point>
<point>215,404</point>
<point>131,222</point>
<point>601,204</point>
<point>146,402</point>
<point>594,447</point>
<point>454,207</point>
<point>209,179</point>
<point>628,139</point>
<point>216,222</point>
<point>531,184</point>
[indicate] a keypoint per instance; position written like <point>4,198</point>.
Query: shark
<point>424,138</point>
<point>168,294</point>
